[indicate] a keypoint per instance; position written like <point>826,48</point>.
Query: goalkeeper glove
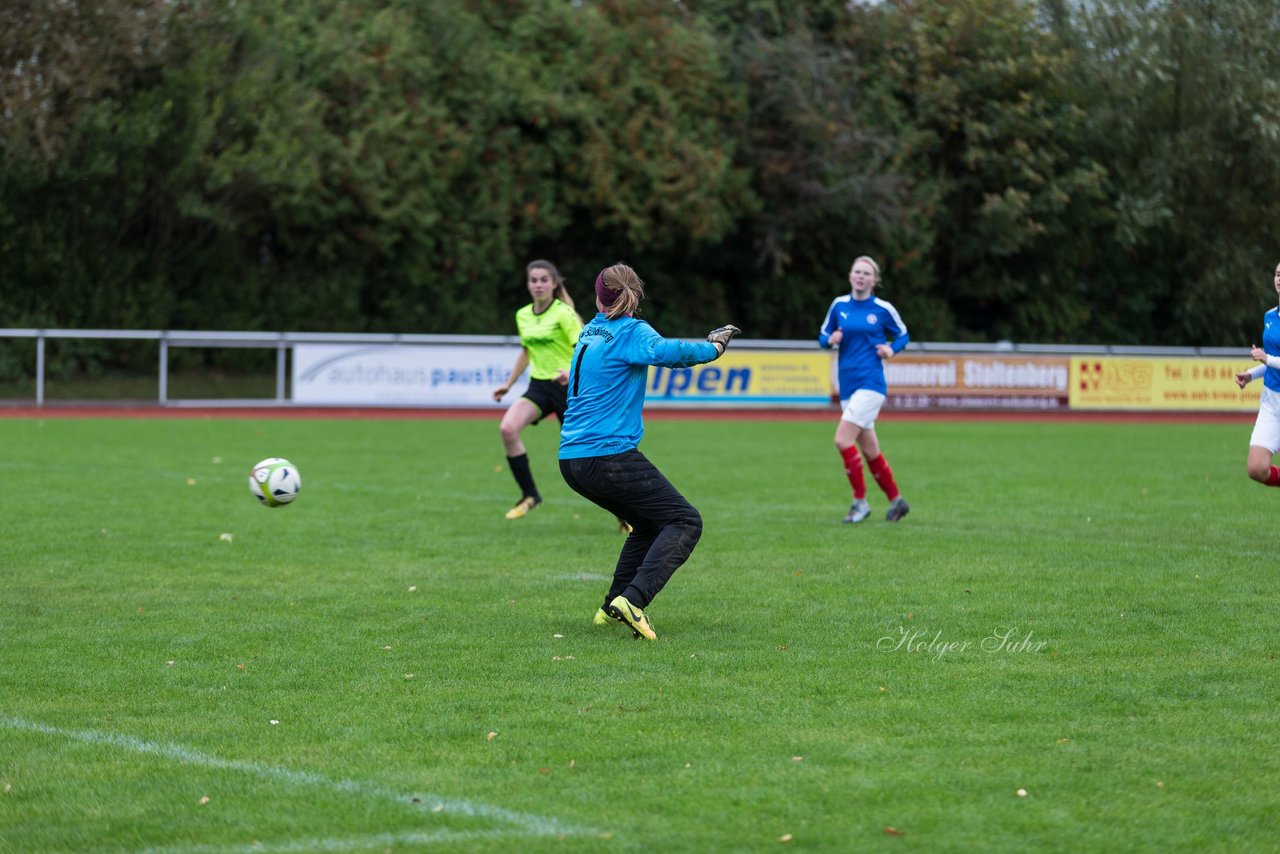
<point>722,336</point>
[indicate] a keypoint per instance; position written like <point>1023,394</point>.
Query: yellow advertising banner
<point>747,376</point>
<point>915,380</point>
<point>966,381</point>
<point>1151,383</point>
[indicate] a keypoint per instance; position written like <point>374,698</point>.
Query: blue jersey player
<point>866,331</point>
<point>599,454</point>
<point>1265,440</point>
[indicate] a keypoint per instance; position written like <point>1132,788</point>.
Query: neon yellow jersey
<point>548,338</point>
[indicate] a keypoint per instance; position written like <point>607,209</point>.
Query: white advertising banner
<point>403,374</point>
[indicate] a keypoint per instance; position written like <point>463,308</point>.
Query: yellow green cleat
<point>523,506</point>
<point>623,611</point>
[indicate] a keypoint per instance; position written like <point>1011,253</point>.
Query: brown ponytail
<point>629,289</point>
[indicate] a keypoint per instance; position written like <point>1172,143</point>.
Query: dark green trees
<point>1053,172</point>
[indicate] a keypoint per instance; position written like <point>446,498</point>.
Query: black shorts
<point>549,396</point>
<point>630,487</point>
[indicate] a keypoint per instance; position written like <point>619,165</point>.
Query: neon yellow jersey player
<point>548,329</point>
<point>548,336</point>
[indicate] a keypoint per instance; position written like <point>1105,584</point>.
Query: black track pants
<point>666,526</point>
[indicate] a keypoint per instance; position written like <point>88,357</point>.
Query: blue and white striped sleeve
<point>899,329</point>
<point>828,326</point>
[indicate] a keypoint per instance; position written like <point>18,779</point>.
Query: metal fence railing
<point>283,343</point>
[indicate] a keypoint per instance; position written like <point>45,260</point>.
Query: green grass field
<point>1085,612</point>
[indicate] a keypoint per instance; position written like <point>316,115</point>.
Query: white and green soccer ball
<point>275,482</point>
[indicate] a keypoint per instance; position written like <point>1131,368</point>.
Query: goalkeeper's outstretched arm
<point>722,336</point>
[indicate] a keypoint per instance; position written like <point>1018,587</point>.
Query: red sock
<point>853,468</point>
<point>1273,479</point>
<point>884,476</point>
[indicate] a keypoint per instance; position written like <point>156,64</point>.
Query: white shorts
<point>1266,430</point>
<point>863,408</point>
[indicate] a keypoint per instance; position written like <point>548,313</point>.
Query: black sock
<point>520,469</point>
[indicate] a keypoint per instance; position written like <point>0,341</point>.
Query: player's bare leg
<point>518,416</point>
<point>1260,468</point>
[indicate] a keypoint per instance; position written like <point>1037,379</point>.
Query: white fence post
<point>39,367</point>
<point>281,359</point>
<point>164,368</point>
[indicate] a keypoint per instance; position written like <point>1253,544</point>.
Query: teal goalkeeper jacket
<point>607,379</point>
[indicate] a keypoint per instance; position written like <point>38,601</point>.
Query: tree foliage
<point>1061,172</point>
<point>997,154</point>
<point>1184,110</point>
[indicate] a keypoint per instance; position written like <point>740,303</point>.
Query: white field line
<point>582,576</point>
<point>353,843</point>
<point>523,823</point>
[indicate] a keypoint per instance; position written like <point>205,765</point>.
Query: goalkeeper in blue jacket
<point>599,439</point>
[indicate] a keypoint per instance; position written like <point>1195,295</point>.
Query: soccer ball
<point>275,482</point>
